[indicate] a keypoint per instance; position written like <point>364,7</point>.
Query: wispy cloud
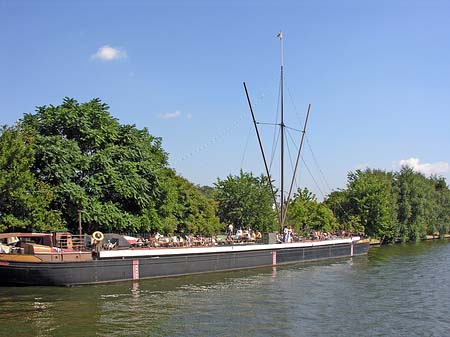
<point>108,53</point>
<point>189,116</point>
<point>171,115</point>
<point>425,168</point>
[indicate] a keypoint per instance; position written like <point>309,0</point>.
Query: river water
<point>399,290</point>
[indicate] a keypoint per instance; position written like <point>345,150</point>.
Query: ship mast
<point>282,126</point>
<point>284,203</point>
<point>282,208</point>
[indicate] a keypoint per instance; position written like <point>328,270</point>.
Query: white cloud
<point>171,115</point>
<point>425,168</point>
<point>108,53</point>
<point>189,116</point>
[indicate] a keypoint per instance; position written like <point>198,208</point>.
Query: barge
<point>41,264</point>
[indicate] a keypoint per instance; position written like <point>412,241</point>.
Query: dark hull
<point>133,268</point>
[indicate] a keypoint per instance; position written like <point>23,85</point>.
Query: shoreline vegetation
<point>75,161</point>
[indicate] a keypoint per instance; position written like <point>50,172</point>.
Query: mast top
<point>280,36</point>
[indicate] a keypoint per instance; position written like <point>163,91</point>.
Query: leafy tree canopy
<point>419,204</point>
<point>370,199</point>
<point>24,201</point>
<point>116,174</point>
<point>305,213</point>
<point>244,201</point>
<point>399,206</point>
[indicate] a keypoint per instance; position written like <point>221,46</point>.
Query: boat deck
<point>218,249</point>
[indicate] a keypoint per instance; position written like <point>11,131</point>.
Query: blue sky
<point>377,74</point>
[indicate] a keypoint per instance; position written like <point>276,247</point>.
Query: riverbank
<point>377,242</point>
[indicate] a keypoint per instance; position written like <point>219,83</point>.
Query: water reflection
<point>135,290</point>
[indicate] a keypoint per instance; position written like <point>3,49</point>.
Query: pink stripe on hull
<point>135,269</point>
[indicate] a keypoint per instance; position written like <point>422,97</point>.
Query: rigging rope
<point>274,148</point>
<point>317,165</point>
<point>290,157</point>
<point>307,168</point>
<point>326,182</point>
<point>221,134</point>
<point>245,147</point>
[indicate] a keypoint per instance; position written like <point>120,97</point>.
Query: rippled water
<point>401,290</point>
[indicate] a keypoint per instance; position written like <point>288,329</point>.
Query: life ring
<point>258,235</point>
<point>98,236</point>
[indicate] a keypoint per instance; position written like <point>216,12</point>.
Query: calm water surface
<point>401,290</point>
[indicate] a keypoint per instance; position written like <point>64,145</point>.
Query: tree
<point>340,204</point>
<point>423,204</point>
<point>116,174</point>
<point>244,201</point>
<point>305,213</point>
<point>415,204</point>
<point>372,202</point>
<point>24,202</point>
<point>195,213</point>
<point>337,202</point>
<point>441,220</point>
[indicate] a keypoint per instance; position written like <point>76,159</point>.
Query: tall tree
<point>441,219</point>
<point>246,200</point>
<point>195,212</point>
<point>116,174</point>
<point>417,204</point>
<point>371,201</point>
<point>305,213</point>
<point>24,202</point>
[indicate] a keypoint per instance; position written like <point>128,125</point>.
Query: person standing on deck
<point>285,234</point>
<point>230,229</point>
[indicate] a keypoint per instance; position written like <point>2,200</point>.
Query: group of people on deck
<point>242,235</point>
<point>288,234</point>
<point>188,240</point>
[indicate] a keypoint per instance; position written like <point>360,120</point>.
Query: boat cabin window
<point>40,240</point>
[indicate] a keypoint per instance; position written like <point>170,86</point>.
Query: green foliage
<point>306,214</point>
<point>246,200</point>
<point>93,163</point>
<point>370,198</point>
<point>195,213</point>
<point>78,157</point>
<point>207,191</point>
<point>401,206</point>
<point>440,222</point>
<point>24,202</point>
<point>116,174</point>
<point>421,209</point>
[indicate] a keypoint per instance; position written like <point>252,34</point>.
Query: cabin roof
<point>22,235</point>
